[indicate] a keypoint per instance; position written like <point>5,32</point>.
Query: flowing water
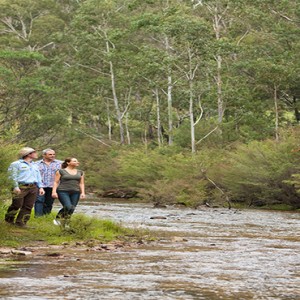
<point>206,254</point>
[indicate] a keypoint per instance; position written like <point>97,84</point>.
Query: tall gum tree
<point>29,32</point>
<point>156,23</point>
<point>102,29</point>
<point>217,11</point>
<point>270,54</point>
<point>192,45</point>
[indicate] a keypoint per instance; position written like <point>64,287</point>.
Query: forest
<point>185,102</point>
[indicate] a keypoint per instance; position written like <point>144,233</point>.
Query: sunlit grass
<point>80,228</point>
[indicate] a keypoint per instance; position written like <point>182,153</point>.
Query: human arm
<point>39,181</point>
<point>13,175</point>
<point>55,184</point>
<point>82,187</point>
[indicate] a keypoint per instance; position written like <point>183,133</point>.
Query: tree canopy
<point>191,75</point>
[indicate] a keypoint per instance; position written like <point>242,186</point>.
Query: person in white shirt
<point>48,167</point>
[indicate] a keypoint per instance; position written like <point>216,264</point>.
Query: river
<point>208,253</point>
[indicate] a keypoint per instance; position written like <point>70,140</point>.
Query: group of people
<point>38,183</point>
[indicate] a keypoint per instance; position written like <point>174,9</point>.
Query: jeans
<point>20,209</point>
<point>69,201</point>
<point>44,203</point>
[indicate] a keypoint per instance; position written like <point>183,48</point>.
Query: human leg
<point>74,201</point>
<point>65,200</point>
<point>69,201</point>
<point>28,202</point>
<point>13,209</point>
<point>39,206</point>
<point>48,204</point>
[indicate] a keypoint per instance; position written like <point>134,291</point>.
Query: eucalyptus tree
<point>220,15</point>
<point>101,48</point>
<point>190,34</point>
<point>260,36</point>
<point>270,55</point>
<point>147,109</point>
<point>32,24</point>
<point>183,36</point>
<point>20,90</point>
<point>30,31</point>
<point>157,21</point>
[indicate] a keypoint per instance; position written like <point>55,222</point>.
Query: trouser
<point>44,203</point>
<point>69,201</point>
<point>20,209</point>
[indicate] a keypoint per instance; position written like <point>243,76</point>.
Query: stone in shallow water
<point>158,218</point>
<point>5,251</point>
<point>21,252</point>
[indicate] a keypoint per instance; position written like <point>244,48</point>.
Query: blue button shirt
<point>22,171</point>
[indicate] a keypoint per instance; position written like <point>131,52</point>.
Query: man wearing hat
<point>27,184</point>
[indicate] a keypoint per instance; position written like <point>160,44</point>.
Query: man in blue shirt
<point>47,166</point>
<point>27,183</point>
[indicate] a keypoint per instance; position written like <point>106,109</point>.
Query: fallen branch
<point>93,137</point>
<point>216,186</point>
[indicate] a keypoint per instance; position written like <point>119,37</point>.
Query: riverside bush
<point>98,161</point>
<point>8,154</point>
<point>255,173</point>
<point>165,176</point>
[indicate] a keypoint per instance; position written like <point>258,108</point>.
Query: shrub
<point>255,173</point>
<point>8,154</point>
<point>165,176</point>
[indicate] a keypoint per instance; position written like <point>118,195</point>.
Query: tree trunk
<point>276,113</point>
<point>170,110</point>
<point>159,135</point>
<point>115,98</point>
<point>191,113</point>
<point>219,90</point>
<point>127,129</point>
<point>169,95</point>
<point>218,25</point>
<point>109,122</point>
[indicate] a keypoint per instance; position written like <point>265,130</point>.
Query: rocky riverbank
<point>43,249</point>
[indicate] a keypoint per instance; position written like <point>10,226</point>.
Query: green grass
<point>81,228</point>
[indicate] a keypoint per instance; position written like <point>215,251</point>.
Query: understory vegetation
<point>259,173</point>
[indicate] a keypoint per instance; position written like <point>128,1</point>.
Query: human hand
<point>41,191</point>
<point>54,195</point>
<point>82,196</point>
<point>17,190</point>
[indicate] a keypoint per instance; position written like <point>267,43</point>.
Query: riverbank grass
<point>80,228</point>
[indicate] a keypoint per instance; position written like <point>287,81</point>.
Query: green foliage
<point>255,173</point>
<point>98,161</point>
<point>59,60</point>
<point>8,152</point>
<point>295,182</point>
<point>165,176</point>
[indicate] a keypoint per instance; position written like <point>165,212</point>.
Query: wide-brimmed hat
<point>25,151</point>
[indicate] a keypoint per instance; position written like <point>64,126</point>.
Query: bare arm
<point>55,184</point>
<point>82,187</point>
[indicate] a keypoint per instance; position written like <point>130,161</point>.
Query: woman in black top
<point>68,188</point>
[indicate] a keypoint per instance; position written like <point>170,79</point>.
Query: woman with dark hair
<point>68,188</point>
